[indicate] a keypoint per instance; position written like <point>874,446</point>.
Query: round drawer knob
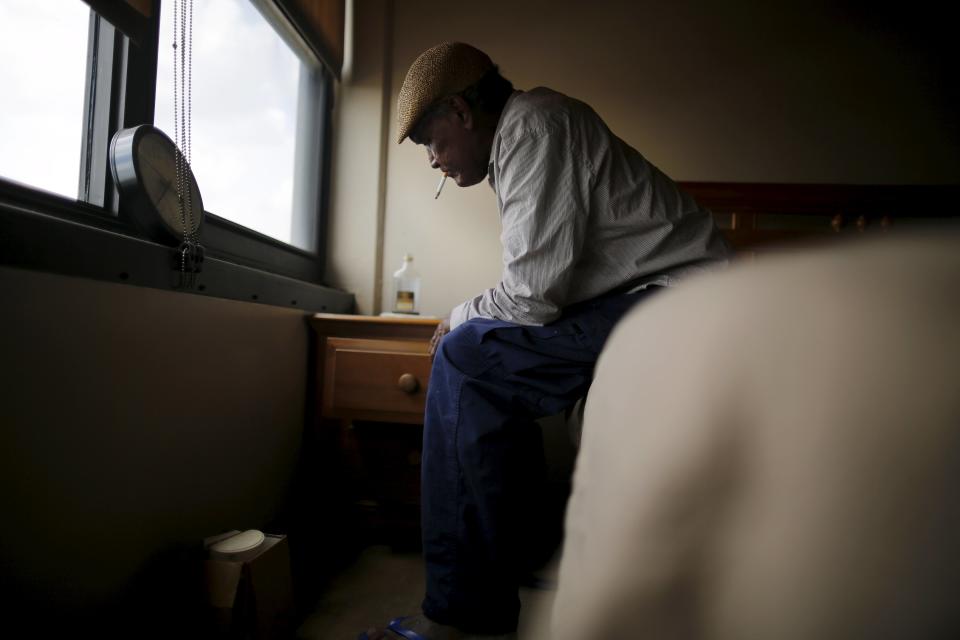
<point>408,383</point>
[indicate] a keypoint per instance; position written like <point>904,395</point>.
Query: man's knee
<point>465,348</point>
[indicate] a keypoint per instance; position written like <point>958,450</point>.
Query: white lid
<point>250,539</point>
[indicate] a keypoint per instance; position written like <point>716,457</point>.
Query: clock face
<point>144,165</point>
<point>156,157</point>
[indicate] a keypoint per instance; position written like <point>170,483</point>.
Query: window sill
<point>39,235</point>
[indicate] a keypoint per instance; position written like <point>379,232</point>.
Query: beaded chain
<point>190,251</point>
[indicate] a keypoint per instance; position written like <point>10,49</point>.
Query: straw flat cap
<point>440,71</point>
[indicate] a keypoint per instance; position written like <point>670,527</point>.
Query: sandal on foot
<point>395,627</point>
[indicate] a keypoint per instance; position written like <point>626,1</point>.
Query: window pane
<point>43,46</point>
<point>244,113</point>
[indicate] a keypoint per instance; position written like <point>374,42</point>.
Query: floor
<point>383,584</point>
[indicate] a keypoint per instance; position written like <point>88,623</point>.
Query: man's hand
<point>442,329</point>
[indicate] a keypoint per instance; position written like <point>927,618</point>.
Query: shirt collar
<point>496,134</point>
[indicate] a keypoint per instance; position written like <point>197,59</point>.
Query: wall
<point>136,422</point>
<point>360,126</point>
<point>777,92</point>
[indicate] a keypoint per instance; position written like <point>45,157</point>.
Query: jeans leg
<point>473,474</point>
<point>481,454</point>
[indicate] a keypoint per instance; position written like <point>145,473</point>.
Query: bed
<point>763,218</point>
<point>758,217</point>
<point>772,451</point>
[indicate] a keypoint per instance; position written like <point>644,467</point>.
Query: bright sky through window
<point>43,46</point>
<point>244,113</point>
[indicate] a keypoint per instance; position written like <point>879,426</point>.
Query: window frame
<point>120,92</point>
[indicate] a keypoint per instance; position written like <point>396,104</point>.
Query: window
<point>261,110</point>
<point>246,80</point>
<point>44,48</point>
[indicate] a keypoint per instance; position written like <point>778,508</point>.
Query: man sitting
<point>589,229</point>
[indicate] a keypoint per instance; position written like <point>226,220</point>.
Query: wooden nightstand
<point>372,375</point>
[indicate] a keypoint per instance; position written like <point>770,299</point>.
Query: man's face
<point>454,144</point>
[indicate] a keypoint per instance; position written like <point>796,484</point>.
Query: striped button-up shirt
<point>582,213</point>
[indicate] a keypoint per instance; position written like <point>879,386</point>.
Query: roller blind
<point>131,17</point>
<point>319,22</point>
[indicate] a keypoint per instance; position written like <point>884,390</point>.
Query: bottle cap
<point>407,257</point>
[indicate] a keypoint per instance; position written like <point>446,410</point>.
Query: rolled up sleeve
<point>543,187</point>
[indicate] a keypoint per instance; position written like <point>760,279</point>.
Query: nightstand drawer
<point>375,379</point>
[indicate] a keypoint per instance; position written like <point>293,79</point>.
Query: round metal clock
<point>143,161</point>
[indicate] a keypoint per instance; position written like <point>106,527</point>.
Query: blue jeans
<point>482,453</point>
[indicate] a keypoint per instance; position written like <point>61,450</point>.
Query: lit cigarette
<point>440,186</point>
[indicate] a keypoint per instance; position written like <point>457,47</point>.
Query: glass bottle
<point>406,288</point>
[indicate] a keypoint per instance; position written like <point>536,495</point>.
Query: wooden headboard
<point>756,216</point>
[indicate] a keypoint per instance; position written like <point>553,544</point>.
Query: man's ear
<point>462,111</point>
